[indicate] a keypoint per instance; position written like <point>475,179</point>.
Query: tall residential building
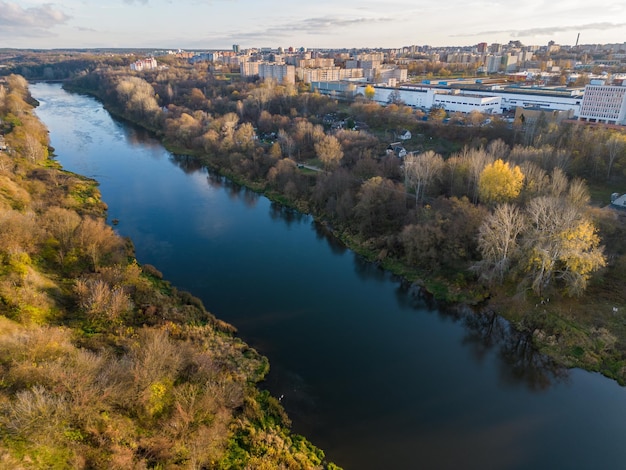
<point>493,63</point>
<point>280,73</point>
<point>604,103</point>
<point>248,68</point>
<point>144,64</point>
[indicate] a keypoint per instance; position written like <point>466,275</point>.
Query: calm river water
<point>367,370</point>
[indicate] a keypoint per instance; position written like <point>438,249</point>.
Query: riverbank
<point>104,363</point>
<point>563,329</point>
<point>348,343</point>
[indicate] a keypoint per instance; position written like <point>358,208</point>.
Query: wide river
<point>367,370</point>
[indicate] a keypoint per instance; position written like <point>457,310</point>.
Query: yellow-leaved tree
<point>499,182</point>
<point>580,256</point>
<point>562,244</point>
<point>369,92</point>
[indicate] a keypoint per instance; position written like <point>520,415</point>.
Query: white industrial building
<point>598,103</point>
<point>604,103</point>
<point>427,97</point>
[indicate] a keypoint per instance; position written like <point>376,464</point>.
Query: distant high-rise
<point>236,48</point>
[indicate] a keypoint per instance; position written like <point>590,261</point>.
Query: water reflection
<point>186,163</point>
<point>286,214</point>
<point>518,361</point>
<point>234,191</point>
<point>368,270</point>
<point>138,137</point>
<point>322,232</point>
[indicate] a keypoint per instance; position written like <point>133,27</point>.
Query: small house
<point>397,150</point>
<point>618,202</point>
<point>404,134</point>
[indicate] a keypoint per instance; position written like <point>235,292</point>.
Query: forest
<point>104,364</point>
<point>513,218</point>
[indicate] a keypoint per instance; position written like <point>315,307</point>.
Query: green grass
<point>601,192</point>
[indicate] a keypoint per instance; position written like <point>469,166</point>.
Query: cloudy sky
<point>212,24</point>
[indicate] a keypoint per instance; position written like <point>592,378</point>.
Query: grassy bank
<point>105,364</point>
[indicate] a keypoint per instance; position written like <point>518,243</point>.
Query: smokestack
<point>577,38</point>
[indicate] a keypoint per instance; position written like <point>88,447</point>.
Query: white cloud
<point>29,22</point>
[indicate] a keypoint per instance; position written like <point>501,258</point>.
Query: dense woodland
<point>478,210</point>
<point>103,364</point>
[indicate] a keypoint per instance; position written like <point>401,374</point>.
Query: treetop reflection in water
<point>370,371</point>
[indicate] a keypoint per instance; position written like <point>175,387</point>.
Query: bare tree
<point>421,170</point>
<point>615,147</point>
<point>498,149</point>
<point>287,144</point>
<point>477,160</point>
<point>498,241</point>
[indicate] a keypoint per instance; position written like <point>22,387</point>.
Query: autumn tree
<point>61,224</point>
<point>475,118</point>
<point>437,114</point>
<point>421,171</point>
<point>380,206</point>
<point>287,144</point>
<point>562,244</point>
<point>137,97</point>
<point>536,180</point>
<point>369,92</point>
<point>498,149</point>
<point>499,182</point>
<point>244,136</point>
<point>615,148</point>
<point>444,234</point>
<point>329,151</point>
<point>476,160</point>
<point>100,300</point>
<point>498,241</point>
<point>97,241</point>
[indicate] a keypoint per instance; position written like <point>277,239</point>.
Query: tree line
<point>469,178</point>
<point>104,364</point>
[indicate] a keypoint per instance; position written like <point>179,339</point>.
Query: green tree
<point>499,182</point>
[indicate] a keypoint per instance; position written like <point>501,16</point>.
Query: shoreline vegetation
<point>543,253</point>
<point>104,364</point>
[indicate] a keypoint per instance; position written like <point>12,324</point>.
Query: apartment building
<point>327,74</point>
<point>144,64</point>
<point>604,103</point>
<point>249,68</point>
<point>279,72</point>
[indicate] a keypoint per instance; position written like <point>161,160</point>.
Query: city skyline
<point>217,24</point>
